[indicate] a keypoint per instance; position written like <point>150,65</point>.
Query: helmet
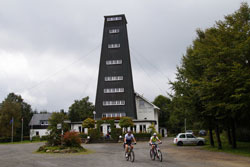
<point>129,131</point>
<point>155,134</point>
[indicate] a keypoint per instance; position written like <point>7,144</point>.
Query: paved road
<point>111,155</point>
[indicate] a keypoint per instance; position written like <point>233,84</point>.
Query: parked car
<point>188,138</point>
<point>202,133</point>
<point>189,131</point>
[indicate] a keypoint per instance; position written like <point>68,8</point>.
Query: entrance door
<point>162,133</point>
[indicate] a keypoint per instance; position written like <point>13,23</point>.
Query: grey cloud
<point>55,37</point>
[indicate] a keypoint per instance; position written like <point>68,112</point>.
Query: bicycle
<point>156,152</point>
<point>130,154</point>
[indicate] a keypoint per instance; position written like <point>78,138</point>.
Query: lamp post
<point>94,114</point>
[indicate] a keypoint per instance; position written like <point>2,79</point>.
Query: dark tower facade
<point>115,91</point>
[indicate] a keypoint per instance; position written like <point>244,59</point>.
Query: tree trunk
<point>217,131</point>
<point>234,144</point>
<point>229,137</point>
<point>211,138</point>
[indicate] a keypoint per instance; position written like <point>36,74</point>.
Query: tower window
<point>114,103</point>
<point>114,31</point>
<point>113,78</point>
<point>104,115</point>
<point>114,18</point>
<point>116,45</point>
<point>113,90</point>
<point>113,62</point>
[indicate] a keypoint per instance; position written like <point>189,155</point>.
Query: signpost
<point>59,126</point>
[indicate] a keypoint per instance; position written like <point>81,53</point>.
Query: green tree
<point>163,103</point>
<point>26,112</point>
<point>8,111</point>
<point>55,134</point>
<point>81,109</point>
<point>88,123</point>
<point>126,122</point>
<point>214,76</point>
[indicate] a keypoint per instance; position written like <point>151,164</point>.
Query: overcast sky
<point>50,49</point>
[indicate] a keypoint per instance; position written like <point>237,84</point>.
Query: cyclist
<point>153,140</point>
<point>129,137</point>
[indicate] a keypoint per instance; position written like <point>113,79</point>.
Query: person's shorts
<point>128,142</point>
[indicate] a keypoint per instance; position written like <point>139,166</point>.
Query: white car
<point>188,138</point>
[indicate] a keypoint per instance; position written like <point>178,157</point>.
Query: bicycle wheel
<point>127,157</point>
<point>132,156</point>
<point>159,155</point>
<point>152,155</point>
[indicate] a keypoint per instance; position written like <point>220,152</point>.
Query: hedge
<point>15,139</point>
<point>115,133</point>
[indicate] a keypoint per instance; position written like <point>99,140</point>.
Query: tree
<point>214,76</point>
<point>81,109</point>
<point>8,111</point>
<point>55,134</point>
<point>163,103</point>
<point>88,123</point>
<point>126,122</point>
<point>26,113</point>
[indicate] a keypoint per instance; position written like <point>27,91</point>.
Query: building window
<point>140,128</point>
<point>144,128</point>
<point>113,115</point>
<point>113,62</point>
<point>114,31</point>
<point>113,78</point>
<point>44,122</point>
<point>80,129</point>
<point>114,103</point>
<point>141,103</point>
<point>37,133</point>
<point>116,45</point>
<point>114,18</point>
<point>113,90</point>
<point>134,129</point>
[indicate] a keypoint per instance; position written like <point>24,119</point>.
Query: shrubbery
<point>71,139</point>
<point>83,135</point>
<point>115,133</point>
<point>94,134</point>
<point>140,135</point>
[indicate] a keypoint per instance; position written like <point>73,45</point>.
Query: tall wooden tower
<point>115,91</point>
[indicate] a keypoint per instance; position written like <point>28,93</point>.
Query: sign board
<point>59,126</point>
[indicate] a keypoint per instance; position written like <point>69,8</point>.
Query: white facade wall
<point>40,132</point>
<point>78,127</point>
<point>146,111</point>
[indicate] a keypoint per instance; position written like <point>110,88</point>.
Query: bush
<point>140,135</point>
<point>94,134</point>
<point>83,135</point>
<point>115,133</point>
<point>54,139</point>
<point>36,138</point>
<point>72,139</point>
<point>44,138</point>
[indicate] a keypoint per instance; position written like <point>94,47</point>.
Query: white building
<point>147,114</point>
<point>39,124</point>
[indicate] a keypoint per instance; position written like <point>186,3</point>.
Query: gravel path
<point>111,155</point>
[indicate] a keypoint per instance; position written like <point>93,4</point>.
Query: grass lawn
<point>243,148</point>
<point>23,142</point>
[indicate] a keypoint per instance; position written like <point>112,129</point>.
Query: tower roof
<point>119,15</point>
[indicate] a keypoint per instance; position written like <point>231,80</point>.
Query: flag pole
<point>12,129</point>
<point>22,131</point>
